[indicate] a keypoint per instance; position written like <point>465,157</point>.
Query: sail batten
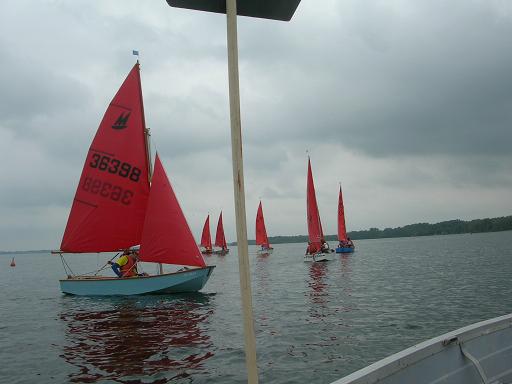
<point>109,207</point>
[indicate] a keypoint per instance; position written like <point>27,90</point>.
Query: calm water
<point>314,322</point>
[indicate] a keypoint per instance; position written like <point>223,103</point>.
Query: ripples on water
<point>133,339</point>
<point>314,322</point>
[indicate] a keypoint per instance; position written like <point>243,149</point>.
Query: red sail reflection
<point>318,293</point>
<point>131,340</point>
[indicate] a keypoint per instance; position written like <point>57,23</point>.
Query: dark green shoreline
<point>450,227</point>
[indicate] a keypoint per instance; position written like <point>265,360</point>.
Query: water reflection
<point>318,292</point>
<point>156,338</point>
<point>261,272</point>
<point>346,273</point>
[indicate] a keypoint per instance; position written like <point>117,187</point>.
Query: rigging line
<point>67,269</point>
<point>105,265</point>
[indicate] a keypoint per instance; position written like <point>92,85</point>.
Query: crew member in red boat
<point>126,264</point>
<point>346,243</point>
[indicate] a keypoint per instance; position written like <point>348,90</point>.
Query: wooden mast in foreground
<point>269,9</point>
<point>239,192</point>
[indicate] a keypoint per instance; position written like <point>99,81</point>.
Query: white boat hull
<point>479,353</point>
<point>265,251</point>
<point>190,280</point>
<point>318,257</point>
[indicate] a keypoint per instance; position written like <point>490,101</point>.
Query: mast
<point>239,193</point>
<point>147,139</point>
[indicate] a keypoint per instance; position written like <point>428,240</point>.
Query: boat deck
<point>479,353</point>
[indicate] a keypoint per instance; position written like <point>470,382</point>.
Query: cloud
<point>407,104</point>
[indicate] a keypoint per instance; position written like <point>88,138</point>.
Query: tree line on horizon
<point>450,227</point>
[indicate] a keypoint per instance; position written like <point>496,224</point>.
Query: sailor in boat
<point>126,264</point>
<point>346,243</point>
<point>325,247</point>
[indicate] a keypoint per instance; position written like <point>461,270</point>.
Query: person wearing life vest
<point>125,265</point>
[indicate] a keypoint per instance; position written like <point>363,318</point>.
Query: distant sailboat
<point>13,263</point>
<point>206,239</point>
<point>220,239</point>
<point>116,208</point>
<point>345,244</point>
<point>318,248</point>
<point>261,233</point>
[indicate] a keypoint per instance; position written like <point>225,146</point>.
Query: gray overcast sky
<point>407,103</point>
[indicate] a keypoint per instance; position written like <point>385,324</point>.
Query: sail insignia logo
<point>122,121</point>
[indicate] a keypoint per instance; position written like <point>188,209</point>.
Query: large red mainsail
<point>315,232</point>
<point>342,230</point>
<point>110,201</point>
<point>220,239</point>
<point>261,232</point>
<point>206,239</point>
<point>166,237</point>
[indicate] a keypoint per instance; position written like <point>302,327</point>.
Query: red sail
<point>220,239</point>
<point>261,232</point>
<point>316,235</point>
<point>167,237</point>
<point>111,197</point>
<point>206,239</point>
<point>342,230</point>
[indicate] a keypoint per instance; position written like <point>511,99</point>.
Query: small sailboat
<point>318,249</point>
<point>13,263</point>
<point>206,239</point>
<point>116,208</point>
<point>345,245</point>
<point>261,233</point>
<point>220,239</point>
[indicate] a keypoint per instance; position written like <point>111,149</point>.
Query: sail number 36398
<point>114,166</point>
<point>106,189</point>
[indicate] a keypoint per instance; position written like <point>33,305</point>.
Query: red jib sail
<point>110,201</point>
<point>220,239</point>
<point>316,235</point>
<point>167,237</point>
<point>342,230</point>
<point>261,232</point>
<point>206,239</point>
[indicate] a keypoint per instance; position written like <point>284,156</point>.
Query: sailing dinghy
<point>261,233</point>
<point>220,238</point>
<point>318,249</point>
<point>116,207</point>
<point>206,239</point>
<point>345,245</point>
<point>13,263</point>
